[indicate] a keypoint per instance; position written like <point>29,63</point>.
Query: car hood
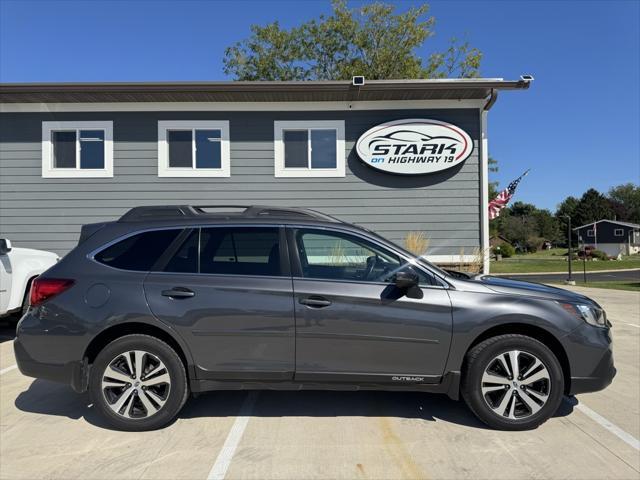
<point>518,287</point>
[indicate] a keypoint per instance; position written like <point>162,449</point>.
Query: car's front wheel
<point>512,382</point>
<point>138,383</point>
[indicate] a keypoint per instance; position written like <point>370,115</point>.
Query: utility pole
<point>570,280</point>
<point>583,248</point>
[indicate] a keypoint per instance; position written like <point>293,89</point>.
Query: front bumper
<point>590,355</point>
<point>600,379</point>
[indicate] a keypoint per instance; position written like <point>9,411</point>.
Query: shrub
<point>505,250</point>
<point>416,242</point>
<point>474,264</point>
<point>533,244</point>
<point>599,254</point>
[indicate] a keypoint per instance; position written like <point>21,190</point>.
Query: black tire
<point>482,355</point>
<point>176,394</point>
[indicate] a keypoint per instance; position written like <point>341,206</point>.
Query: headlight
<point>591,314</point>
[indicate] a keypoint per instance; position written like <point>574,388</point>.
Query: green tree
<point>625,202</point>
<point>493,186</point>
<point>371,40</point>
<point>567,207</point>
<point>593,206</point>
<point>521,209</point>
<point>519,228</point>
<point>548,226</point>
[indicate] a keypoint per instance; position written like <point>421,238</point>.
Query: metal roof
<point>235,91</point>
<point>624,224</point>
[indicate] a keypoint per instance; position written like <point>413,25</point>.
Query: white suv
<point>18,267</point>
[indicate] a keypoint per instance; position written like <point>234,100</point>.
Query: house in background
<point>611,237</point>
<point>496,240</point>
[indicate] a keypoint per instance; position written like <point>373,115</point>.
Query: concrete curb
<point>575,271</point>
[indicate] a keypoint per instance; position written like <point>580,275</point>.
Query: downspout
<point>484,188</point>
<point>492,99</point>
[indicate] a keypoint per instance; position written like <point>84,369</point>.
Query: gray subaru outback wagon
<point>178,299</point>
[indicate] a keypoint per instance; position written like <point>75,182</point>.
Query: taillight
<point>43,289</point>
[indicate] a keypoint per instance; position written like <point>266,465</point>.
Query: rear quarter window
<point>138,252</point>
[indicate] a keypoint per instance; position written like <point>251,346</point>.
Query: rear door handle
<point>178,292</point>
<point>316,302</point>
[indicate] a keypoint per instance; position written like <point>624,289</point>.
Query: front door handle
<point>315,301</point>
<point>178,292</point>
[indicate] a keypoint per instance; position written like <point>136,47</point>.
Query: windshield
<point>433,267</point>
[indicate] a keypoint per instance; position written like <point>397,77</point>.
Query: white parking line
<point>631,324</point>
<point>220,467</point>
<point>8,369</point>
<point>617,431</point>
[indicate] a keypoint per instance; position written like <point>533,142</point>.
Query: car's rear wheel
<point>512,382</point>
<point>138,383</point>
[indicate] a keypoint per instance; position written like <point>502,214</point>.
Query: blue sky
<point>577,127</point>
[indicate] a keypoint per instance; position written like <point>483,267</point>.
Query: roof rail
<point>164,212</point>
<point>139,214</point>
<point>258,210</point>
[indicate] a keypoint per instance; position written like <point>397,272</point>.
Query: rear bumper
<point>75,374</point>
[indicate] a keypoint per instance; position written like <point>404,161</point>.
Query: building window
<point>309,148</point>
<point>193,149</point>
<point>591,233</point>
<point>77,149</point>
<point>618,232</point>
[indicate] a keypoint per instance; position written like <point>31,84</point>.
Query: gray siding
<point>47,213</point>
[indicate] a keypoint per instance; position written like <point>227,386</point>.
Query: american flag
<point>504,197</point>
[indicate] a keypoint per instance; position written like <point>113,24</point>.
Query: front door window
<point>340,256</point>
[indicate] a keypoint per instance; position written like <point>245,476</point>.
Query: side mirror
<point>5,246</point>
<point>405,279</point>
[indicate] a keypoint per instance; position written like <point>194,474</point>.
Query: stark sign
<point>414,146</point>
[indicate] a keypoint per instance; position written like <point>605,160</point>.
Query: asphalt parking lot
<point>47,431</point>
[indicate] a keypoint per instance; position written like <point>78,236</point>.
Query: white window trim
<point>163,148</point>
<point>48,170</point>
<point>616,234</point>
<point>282,172</point>
<point>591,233</point>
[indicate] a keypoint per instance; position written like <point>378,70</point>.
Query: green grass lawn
<point>631,286</point>
<point>553,254</point>
<point>535,263</point>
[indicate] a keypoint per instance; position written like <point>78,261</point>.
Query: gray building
<point>393,156</point>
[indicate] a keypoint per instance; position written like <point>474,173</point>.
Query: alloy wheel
<point>136,384</point>
<point>516,384</point>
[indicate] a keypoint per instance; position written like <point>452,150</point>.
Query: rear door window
<point>138,252</point>
<point>240,251</point>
